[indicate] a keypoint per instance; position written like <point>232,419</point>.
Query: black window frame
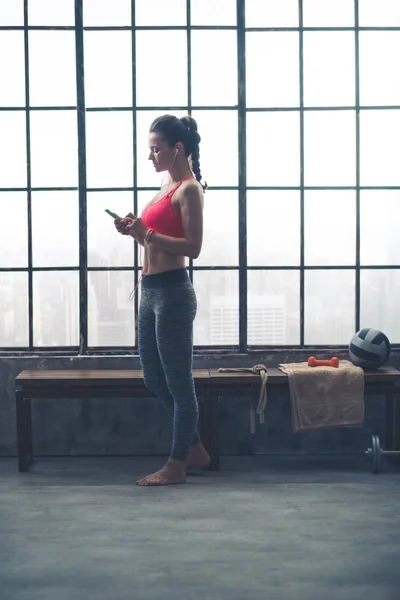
<point>241,189</point>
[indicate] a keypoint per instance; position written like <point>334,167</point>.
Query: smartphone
<point>113,215</point>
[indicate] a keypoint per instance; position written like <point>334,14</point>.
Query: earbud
<point>176,152</point>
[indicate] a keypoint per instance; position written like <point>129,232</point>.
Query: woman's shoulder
<point>191,186</point>
<point>190,191</point>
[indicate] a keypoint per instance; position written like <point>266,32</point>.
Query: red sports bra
<point>162,217</point>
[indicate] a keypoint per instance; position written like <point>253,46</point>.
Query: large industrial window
<point>298,106</point>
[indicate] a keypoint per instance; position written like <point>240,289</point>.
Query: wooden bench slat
<point>388,374</point>
<point>135,377</point>
<point>82,377</point>
<point>78,374</point>
<point>275,375</point>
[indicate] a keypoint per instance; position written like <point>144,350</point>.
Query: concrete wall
<point>140,427</point>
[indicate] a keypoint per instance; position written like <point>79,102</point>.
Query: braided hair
<point>182,130</point>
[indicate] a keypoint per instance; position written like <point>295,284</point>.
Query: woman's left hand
<point>137,228</point>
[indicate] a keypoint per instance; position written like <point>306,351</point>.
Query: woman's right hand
<point>121,226</point>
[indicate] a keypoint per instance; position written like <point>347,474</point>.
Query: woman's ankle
<point>178,465</point>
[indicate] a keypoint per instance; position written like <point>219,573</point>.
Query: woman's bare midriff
<point>159,261</point>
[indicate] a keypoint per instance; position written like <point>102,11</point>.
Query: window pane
<point>154,86</point>
<point>379,73</point>
<point>380,226</point>
<point>48,12</point>
<point>12,68</point>
<point>209,12</point>
<point>214,53</point>
<point>12,13</point>
<point>388,14</point>
<point>270,13</point>
<point>330,227</point>
<point>380,300</point>
<point>329,148</point>
<point>220,237</point>
<point>55,229</point>
<point>48,84</point>
<point>110,312</point>
<point>268,55</point>
<point>219,146</point>
<point>379,154</point>
<point>108,68</point>
<point>217,319</point>
<point>106,247</point>
<point>56,308</point>
<point>273,308</point>
<point>329,78</point>
<point>54,148</point>
<point>13,240</point>
<point>329,307</point>
<point>12,149</point>
<point>339,13</point>
<point>159,12</point>
<point>109,149</point>
<point>273,228</point>
<point>99,13</point>
<point>273,149</point>
<point>14,327</point>
<point>147,176</point>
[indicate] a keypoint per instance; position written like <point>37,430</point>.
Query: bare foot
<point>172,473</point>
<point>198,457</point>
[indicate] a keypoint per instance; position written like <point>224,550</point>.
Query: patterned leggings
<point>167,310</point>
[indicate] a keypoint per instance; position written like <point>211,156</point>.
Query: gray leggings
<point>167,310</point>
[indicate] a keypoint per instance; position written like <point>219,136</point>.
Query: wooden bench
<point>211,386</point>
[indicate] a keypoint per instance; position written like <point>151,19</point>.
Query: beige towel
<point>325,396</point>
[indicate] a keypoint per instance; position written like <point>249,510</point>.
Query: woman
<point>171,229</point>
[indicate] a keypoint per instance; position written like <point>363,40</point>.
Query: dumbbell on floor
<point>375,454</point>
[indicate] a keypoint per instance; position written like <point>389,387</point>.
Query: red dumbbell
<point>313,362</point>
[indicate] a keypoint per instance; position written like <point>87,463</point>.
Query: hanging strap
<point>262,401</point>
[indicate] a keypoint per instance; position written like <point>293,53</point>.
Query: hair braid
<point>193,149</point>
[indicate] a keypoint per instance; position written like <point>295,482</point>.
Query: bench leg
<point>393,426</point>
<point>209,430</point>
<point>24,432</point>
<point>214,430</point>
<point>205,421</point>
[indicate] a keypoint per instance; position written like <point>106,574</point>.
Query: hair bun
<point>189,122</point>
<point>191,125</point>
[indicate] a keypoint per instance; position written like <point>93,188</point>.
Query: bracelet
<point>148,235</point>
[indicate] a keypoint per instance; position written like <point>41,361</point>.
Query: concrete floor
<point>260,529</point>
